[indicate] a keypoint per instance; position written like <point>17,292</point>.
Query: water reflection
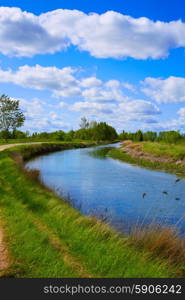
<point>112,190</point>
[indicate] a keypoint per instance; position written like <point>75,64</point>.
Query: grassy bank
<point>170,157</point>
<point>46,237</point>
<point>174,151</point>
<point>39,140</point>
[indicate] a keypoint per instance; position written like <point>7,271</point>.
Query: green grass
<point>17,141</point>
<point>38,140</point>
<point>100,153</point>
<point>175,151</point>
<point>101,251</point>
<point>170,167</point>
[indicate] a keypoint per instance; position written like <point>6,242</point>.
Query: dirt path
<point>4,255</point>
<point>4,147</point>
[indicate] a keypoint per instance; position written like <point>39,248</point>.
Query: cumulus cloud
<point>21,34</point>
<point>110,34</point>
<point>131,110</point>
<point>93,108</point>
<point>39,77</point>
<point>138,111</point>
<point>140,107</point>
<point>167,90</point>
<point>88,96</point>
<point>64,83</point>
<point>40,117</point>
<point>181,113</point>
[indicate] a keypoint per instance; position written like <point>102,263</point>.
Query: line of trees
<point>171,136</point>
<point>88,131</point>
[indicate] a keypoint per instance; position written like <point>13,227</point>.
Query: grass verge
<point>170,167</point>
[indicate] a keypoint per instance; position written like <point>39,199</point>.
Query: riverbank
<point>46,237</point>
<point>165,157</point>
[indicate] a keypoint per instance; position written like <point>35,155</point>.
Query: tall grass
<point>101,152</point>
<point>163,242</point>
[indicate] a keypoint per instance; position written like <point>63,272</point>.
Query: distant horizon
<point>120,63</point>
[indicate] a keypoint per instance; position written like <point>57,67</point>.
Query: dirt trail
<point>4,255</point>
<point>60,246</point>
<point>4,147</point>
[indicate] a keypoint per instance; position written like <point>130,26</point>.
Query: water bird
<point>144,194</point>
<point>177,180</point>
<point>165,192</point>
<point>177,198</point>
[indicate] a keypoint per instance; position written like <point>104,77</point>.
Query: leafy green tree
<point>169,136</point>
<point>11,117</point>
<point>138,136</point>
<point>150,136</point>
<point>123,135</point>
<point>69,136</point>
<point>17,134</point>
<point>103,132</point>
<point>58,135</point>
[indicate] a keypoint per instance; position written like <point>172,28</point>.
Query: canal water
<point>119,193</point>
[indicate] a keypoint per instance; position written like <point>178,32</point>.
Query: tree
<point>103,132</point>
<point>169,136</point>
<point>17,134</point>
<point>138,136</point>
<point>84,123</point>
<point>69,136</point>
<point>149,136</point>
<point>11,117</point>
<point>123,135</point>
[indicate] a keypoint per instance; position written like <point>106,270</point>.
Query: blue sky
<point>121,62</point>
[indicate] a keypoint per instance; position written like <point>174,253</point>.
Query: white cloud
<point>93,108</point>
<point>21,34</point>
<point>181,113</point>
<point>130,87</point>
<point>131,110</point>
<point>64,83</point>
<point>91,96</point>
<point>62,104</point>
<point>167,90</point>
<point>110,34</point>
<point>39,116</point>
<point>90,82</point>
<point>104,93</point>
<point>141,111</point>
<point>39,77</point>
<point>140,107</point>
